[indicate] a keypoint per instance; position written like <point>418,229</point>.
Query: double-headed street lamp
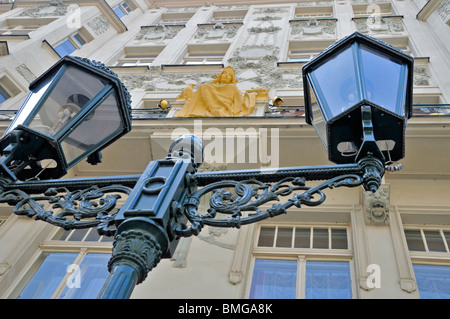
<point>358,96</point>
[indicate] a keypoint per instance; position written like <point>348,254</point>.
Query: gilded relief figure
<point>219,98</point>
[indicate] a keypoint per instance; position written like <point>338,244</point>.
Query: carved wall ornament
<point>99,24</point>
<point>313,28</point>
<point>421,75</point>
<point>376,206</point>
<point>443,10</point>
<point>57,9</point>
<point>26,73</point>
<point>158,80</point>
<point>380,25</point>
<point>314,3</point>
<point>157,33</point>
<point>267,18</point>
<point>217,32</point>
<point>270,10</point>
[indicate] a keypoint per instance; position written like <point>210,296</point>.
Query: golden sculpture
<point>219,98</point>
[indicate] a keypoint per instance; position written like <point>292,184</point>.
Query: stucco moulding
<point>219,32</point>
<point>156,34</point>
<point>58,9</point>
<point>375,26</point>
<point>313,28</point>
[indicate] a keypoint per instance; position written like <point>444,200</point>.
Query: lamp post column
<point>147,221</point>
<point>138,247</point>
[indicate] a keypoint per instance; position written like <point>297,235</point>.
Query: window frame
<point>139,55</point>
<point>9,86</point>
<point>427,257</point>
<point>125,8</point>
<point>204,54</point>
<point>302,49</point>
<point>81,248</point>
<point>74,41</point>
<point>313,12</point>
<point>228,16</point>
<point>427,254</point>
<point>303,255</point>
<point>175,18</point>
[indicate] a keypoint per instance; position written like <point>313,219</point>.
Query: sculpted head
<point>227,76</point>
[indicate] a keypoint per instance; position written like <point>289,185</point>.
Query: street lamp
<point>74,110</point>
<point>357,95</point>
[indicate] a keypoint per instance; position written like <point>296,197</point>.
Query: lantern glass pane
<point>30,103</point>
<point>335,83</point>
<point>318,120</point>
<point>73,92</point>
<point>97,128</point>
<point>382,79</point>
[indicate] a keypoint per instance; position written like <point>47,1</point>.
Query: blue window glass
<point>119,12</point>
<point>80,40</point>
<point>84,281</point>
<point>4,95</point>
<point>65,48</point>
<point>92,273</point>
<point>49,275</point>
<point>433,281</point>
<point>274,279</point>
<point>328,280</point>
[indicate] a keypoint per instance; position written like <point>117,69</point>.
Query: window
<point>428,239</point>
<point>304,51</point>
<point>139,55</point>
<point>8,88</point>
<point>211,58</point>
<point>85,235</point>
<point>277,279</point>
<point>21,25</point>
<point>382,9</point>
<point>123,8</point>
<point>67,276</point>
<point>4,95</point>
<point>65,48</point>
<point>430,255</point>
<point>71,266</point>
<point>205,54</point>
<point>302,56</point>
<point>225,16</point>
<point>175,18</point>
<point>303,12</point>
<point>433,281</point>
<point>72,43</point>
<point>315,263</point>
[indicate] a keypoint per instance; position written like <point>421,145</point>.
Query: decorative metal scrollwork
<point>242,200</point>
<point>86,208</point>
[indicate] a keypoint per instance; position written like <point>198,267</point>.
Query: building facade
<point>391,244</point>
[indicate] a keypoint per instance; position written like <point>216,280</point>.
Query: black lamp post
<point>357,95</point>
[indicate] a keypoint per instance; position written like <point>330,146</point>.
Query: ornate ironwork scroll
<point>90,207</point>
<point>242,200</point>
